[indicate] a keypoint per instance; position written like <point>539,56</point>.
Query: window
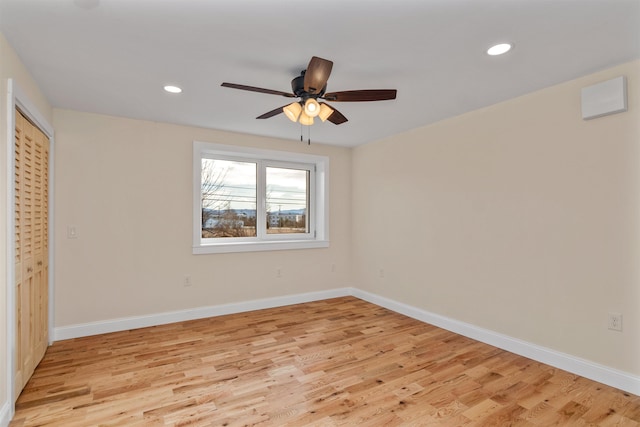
<point>253,200</point>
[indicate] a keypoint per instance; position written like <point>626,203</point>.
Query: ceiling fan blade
<point>272,113</point>
<point>361,95</point>
<point>336,117</point>
<point>257,89</point>
<point>317,74</point>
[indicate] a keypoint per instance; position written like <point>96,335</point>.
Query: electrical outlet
<point>187,281</point>
<point>615,321</point>
<point>279,273</point>
<point>72,232</point>
<point>381,273</point>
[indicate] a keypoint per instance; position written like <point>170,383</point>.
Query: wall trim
<point>5,414</point>
<point>585,368</point>
<point>134,322</point>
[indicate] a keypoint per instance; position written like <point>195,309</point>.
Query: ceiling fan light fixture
<point>311,107</point>
<point>306,119</point>
<point>325,112</point>
<point>292,111</point>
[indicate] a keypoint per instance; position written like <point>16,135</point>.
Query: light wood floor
<point>335,362</point>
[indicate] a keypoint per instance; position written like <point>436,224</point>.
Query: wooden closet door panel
<point>40,288</point>
<point>28,194</point>
<point>17,174</point>
<point>31,243</point>
<point>19,377</point>
<point>44,328</point>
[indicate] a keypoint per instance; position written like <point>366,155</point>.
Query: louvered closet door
<point>32,247</point>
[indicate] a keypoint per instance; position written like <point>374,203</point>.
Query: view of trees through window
<point>229,199</point>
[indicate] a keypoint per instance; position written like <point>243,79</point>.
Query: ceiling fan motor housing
<point>297,87</point>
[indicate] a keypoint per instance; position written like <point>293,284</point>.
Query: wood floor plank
<point>338,362</point>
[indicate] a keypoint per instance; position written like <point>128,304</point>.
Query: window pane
<point>228,199</point>
<point>287,200</point>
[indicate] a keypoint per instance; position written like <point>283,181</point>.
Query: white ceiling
<point>114,56</point>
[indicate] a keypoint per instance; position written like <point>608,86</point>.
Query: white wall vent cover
<point>602,99</point>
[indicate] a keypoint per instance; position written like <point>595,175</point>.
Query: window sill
<point>219,248</point>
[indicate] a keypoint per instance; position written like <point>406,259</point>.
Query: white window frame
<point>318,235</point>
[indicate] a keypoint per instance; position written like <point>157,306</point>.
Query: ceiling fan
<point>310,86</point>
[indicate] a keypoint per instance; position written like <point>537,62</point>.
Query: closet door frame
<point>17,98</point>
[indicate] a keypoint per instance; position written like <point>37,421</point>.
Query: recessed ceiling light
<point>499,49</point>
<point>172,89</point>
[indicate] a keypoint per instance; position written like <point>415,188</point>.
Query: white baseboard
<point>135,322</point>
<point>594,371</point>
<point>5,414</point>
<point>585,368</point>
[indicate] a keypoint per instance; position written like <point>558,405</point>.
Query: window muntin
<point>289,191</point>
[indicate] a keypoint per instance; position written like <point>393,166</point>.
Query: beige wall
<point>520,218</point>
<point>10,68</point>
<point>126,185</point>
